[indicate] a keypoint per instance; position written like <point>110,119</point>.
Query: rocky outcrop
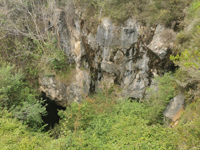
<point>63,93</point>
<point>112,55</point>
<point>174,108</point>
<point>163,41</point>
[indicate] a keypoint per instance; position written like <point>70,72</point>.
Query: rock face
<point>163,41</point>
<point>63,93</point>
<point>174,108</point>
<point>112,55</point>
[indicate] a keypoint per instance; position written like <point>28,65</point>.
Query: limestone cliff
<point>123,55</point>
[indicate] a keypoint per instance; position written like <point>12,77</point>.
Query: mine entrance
<point>52,116</point>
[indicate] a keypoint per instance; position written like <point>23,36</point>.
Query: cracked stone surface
<point>112,55</point>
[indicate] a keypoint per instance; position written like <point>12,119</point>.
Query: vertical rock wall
<point>112,55</point>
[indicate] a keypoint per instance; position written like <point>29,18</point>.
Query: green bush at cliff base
<point>102,123</point>
<point>124,126</point>
<point>19,98</point>
<point>159,96</point>
<point>16,136</point>
<point>189,126</point>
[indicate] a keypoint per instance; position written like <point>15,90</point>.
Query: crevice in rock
<point>176,27</point>
<point>90,56</point>
<point>52,116</point>
<point>118,78</point>
<point>149,33</point>
<point>136,50</point>
<point>112,56</point>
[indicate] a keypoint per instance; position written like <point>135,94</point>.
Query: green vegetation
<point>93,124</point>
<point>119,11</point>
<point>19,98</point>
<point>102,123</point>
<point>30,48</point>
<point>188,54</point>
<point>158,100</point>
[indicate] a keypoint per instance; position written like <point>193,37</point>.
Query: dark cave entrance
<point>52,116</point>
<point>132,99</point>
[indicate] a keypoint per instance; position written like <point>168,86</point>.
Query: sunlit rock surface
<point>175,108</point>
<point>111,55</point>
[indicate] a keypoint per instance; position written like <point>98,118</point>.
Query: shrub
<point>10,85</point>
<point>158,100</point>
<point>124,127</point>
<point>15,135</point>
<point>188,128</point>
<point>19,98</point>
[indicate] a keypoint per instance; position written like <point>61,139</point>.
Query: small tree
<point>18,98</point>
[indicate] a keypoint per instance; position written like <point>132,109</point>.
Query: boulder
<point>163,41</point>
<point>174,108</point>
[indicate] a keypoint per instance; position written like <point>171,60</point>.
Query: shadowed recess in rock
<point>133,99</point>
<point>52,116</point>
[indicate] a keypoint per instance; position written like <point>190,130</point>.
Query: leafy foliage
<point>124,126</point>
<point>19,98</point>
<point>14,135</point>
<point>160,97</point>
<point>9,85</point>
<point>187,77</point>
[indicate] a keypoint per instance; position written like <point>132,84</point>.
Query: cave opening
<point>52,118</point>
<point>132,99</point>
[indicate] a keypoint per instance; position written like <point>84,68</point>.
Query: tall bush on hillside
<point>159,97</point>
<point>10,85</point>
<point>19,98</point>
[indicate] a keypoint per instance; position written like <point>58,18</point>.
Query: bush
<point>16,136</point>
<point>10,85</point>
<point>123,127</point>
<point>188,128</point>
<point>158,100</point>
<point>78,116</point>
<point>19,98</point>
